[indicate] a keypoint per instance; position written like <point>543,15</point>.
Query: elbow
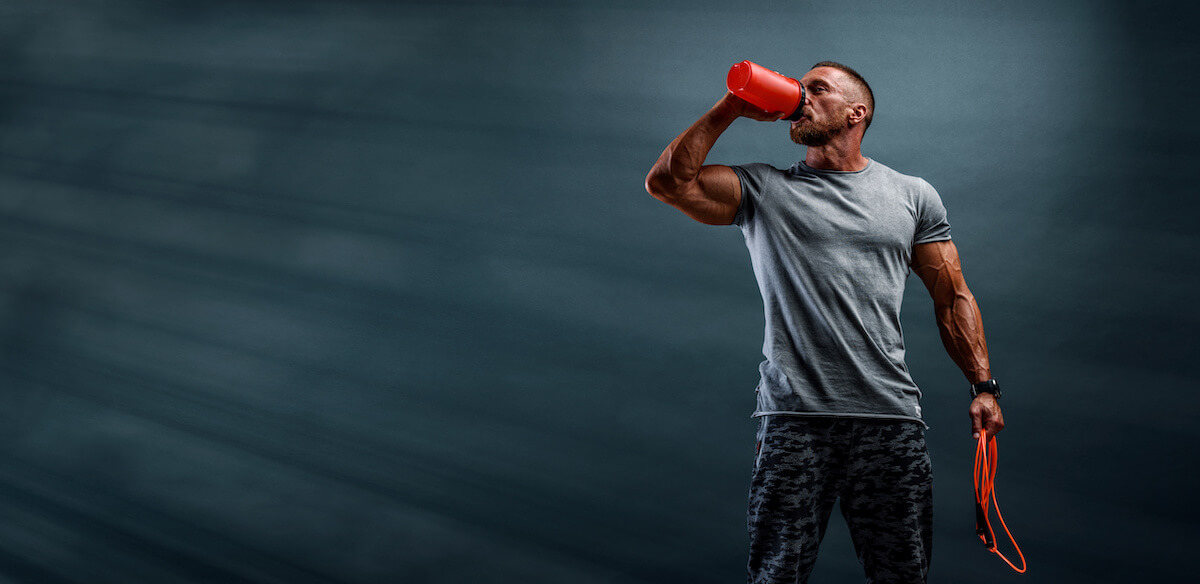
<point>660,185</point>
<point>651,184</point>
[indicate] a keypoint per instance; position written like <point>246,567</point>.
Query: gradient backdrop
<point>322,291</point>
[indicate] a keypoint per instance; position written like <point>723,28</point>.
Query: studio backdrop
<point>333,291</point>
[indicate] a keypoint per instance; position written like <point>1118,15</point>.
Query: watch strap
<point>989,386</point>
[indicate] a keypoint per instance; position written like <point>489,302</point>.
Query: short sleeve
<point>751,178</point>
<point>932,222</point>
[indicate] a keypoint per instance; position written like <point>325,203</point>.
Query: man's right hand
<point>745,109</point>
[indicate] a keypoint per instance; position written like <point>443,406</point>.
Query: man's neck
<point>836,155</point>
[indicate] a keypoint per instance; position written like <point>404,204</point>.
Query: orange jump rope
<point>985,492</point>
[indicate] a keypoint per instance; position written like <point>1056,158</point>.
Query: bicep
<point>939,267</point>
<point>714,196</point>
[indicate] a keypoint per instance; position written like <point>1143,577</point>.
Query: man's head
<point>838,100</point>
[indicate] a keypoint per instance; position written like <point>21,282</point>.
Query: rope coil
<point>985,493</point>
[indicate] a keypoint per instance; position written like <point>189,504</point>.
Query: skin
<point>960,325</point>
<point>711,194</point>
<point>829,102</point>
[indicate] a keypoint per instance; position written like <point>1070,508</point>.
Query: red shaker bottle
<point>767,89</point>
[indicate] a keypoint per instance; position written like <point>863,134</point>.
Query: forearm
<point>961,326</point>
<point>682,160</point>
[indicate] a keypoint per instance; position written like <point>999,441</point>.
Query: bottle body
<point>767,89</point>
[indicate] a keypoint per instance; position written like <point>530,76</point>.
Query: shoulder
<point>757,177</point>
<point>756,169</point>
<point>898,177</point>
<point>915,186</point>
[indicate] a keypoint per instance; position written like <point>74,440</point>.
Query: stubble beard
<point>812,133</point>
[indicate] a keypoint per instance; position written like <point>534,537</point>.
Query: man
<point>831,241</point>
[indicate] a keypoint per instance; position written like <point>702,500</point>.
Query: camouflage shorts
<point>880,470</point>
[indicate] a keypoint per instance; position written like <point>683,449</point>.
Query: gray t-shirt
<point>831,252</point>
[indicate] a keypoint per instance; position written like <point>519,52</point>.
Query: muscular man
<point>831,240</point>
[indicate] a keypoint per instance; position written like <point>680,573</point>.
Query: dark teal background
<point>323,291</point>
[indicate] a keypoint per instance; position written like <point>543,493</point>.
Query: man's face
<point>826,109</point>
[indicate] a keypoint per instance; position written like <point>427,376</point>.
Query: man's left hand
<point>985,415</point>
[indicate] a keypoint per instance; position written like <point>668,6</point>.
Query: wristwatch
<point>989,386</point>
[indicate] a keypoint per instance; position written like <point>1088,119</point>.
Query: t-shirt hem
<point>843,415</point>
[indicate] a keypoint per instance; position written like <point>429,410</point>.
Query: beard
<point>810,132</point>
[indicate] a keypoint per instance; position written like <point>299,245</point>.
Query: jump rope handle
<point>985,493</point>
<point>980,526</point>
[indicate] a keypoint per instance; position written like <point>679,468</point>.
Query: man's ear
<point>858,113</point>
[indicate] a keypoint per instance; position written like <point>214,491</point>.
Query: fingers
<point>762,115</point>
<point>995,422</point>
<point>749,110</point>
<point>985,416</point>
<point>771,115</point>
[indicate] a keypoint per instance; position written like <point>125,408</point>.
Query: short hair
<point>858,79</point>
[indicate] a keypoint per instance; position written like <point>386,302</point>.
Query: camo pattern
<point>881,471</point>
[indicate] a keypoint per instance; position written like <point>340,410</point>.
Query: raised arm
<point>960,324</point>
<point>707,193</point>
